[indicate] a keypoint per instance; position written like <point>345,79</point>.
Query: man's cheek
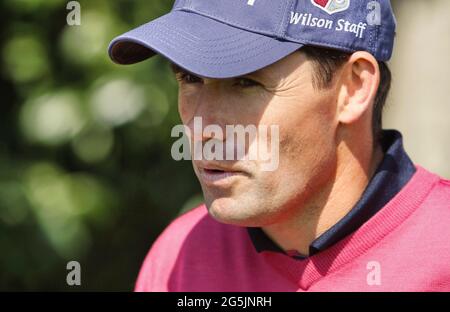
<point>290,145</point>
<point>183,110</point>
<point>186,107</point>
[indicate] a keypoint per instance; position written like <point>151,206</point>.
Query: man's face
<point>238,191</point>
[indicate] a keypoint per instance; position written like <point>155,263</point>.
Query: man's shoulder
<point>445,184</point>
<point>189,219</point>
<point>180,228</point>
<point>433,214</point>
<point>193,240</point>
<point>194,229</point>
<point>437,186</point>
<point>441,197</point>
<point>440,193</point>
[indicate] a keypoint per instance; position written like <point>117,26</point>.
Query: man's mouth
<point>215,175</point>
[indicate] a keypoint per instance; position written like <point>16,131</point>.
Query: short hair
<point>328,61</point>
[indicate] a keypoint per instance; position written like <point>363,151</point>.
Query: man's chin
<point>233,212</point>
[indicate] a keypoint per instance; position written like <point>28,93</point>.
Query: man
<point>345,209</point>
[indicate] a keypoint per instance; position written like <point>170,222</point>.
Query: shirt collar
<point>394,171</point>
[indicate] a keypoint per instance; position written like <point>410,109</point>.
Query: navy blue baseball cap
<point>230,38</point>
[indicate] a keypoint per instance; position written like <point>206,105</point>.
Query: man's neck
<point>328,206</point>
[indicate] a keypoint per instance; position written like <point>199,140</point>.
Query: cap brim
<point>200,45</point>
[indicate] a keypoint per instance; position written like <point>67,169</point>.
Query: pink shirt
<point>404,247</point>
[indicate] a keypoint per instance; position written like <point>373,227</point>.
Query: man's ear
<point>358,81</point>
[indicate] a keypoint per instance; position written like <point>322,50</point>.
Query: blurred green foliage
<point>85,166</point>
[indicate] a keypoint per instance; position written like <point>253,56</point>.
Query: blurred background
<point>85,166</point>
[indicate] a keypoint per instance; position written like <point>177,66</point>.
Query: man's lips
<point>216,166</point>
<point>218,174</point>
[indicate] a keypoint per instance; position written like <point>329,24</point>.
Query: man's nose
<point>209,113</point>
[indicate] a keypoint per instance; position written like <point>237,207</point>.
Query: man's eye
<point>189,78</point>
<point>246,83</point>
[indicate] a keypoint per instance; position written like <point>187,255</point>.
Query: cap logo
<point>332,6</point>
